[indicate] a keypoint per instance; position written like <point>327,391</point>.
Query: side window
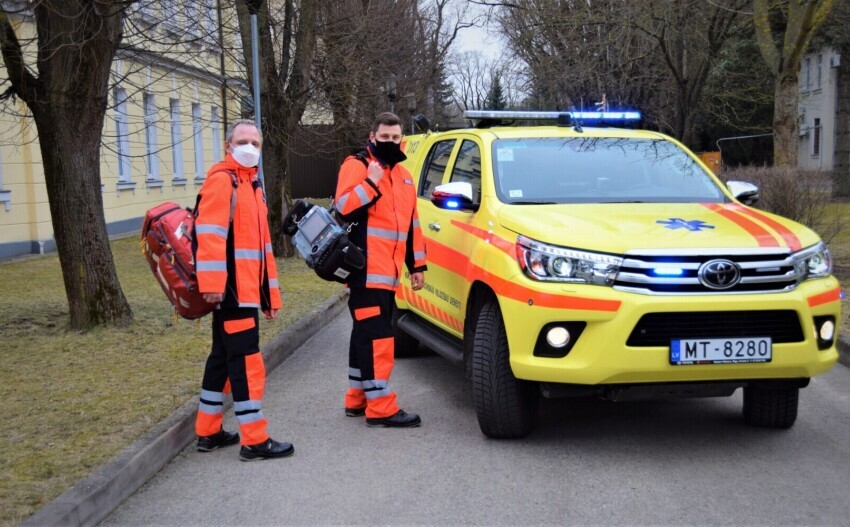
<point>467,168</point>
<point>435,167</point>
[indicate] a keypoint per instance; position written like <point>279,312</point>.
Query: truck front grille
<point>657,329</point>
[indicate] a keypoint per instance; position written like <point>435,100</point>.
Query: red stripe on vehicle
<point>489,237</point>
<point>790,238</point>
<point>833,295</point>
<point>762,236</point>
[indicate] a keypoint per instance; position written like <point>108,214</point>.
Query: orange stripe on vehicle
<point>489,237</point>
<point>762,236</point>
<point>433,310</point>
<point>363,313</point>
<point>833,295</point>
<point>456,262</point>
<point>790,238</point>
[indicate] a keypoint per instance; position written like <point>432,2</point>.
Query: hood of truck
<point>631,227</point>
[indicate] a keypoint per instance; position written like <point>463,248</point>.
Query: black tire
<point>771,408</point>
<point>506,406</point>
<point>405,345</point>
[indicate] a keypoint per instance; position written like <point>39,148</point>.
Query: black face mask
<point>387,152</point>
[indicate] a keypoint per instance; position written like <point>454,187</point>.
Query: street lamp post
<point>253,9</point>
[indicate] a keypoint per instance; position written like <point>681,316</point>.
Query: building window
<point>217,140</point>
<point>807,73</point>
<point>122,133</point>
<point>5,195</point>
<point>176,141</point>
<point>198,137</point>
<point>819,71</point>
<point>816,138</point>
<point>211,21</point>
<point>193,21</point>
<point>151,142</point>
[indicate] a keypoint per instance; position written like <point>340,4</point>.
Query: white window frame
<point>194,21</point>
<point>217,139</point>
<point>198,140</point>
<point>819,71</point>
<point>151,140</point>
<point>816,128</point>
<point>807,73</point>
<point>122,141</point>
<point>176,142</point>
<point>211,20</point>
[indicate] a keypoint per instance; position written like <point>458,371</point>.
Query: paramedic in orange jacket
<point>236,270</point>
<point>377,194</point>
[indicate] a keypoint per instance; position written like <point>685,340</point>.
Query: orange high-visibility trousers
<point>234,363</point>
<point>371,352</point>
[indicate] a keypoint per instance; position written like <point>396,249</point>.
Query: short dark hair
<point>385,118</point>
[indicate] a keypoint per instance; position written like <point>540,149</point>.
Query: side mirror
<point>454,196</point>
<point>421,122</point>
<point>746,193</point>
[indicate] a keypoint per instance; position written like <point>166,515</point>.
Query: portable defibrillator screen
<point>312,226</point>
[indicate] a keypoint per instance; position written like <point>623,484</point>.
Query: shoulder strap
<point>235,183</point>
<point>362,156</point>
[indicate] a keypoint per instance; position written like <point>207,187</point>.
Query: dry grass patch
<point>74,400</point>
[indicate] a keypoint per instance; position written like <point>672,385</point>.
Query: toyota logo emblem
<point>719,274</point>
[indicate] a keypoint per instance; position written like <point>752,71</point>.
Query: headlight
<point>813,262</point>
<point>560,264</point>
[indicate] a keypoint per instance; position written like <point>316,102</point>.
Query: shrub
<point>802,196</point>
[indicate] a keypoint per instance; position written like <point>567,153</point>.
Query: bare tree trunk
<point>841,170</point>
<point>77,40</point>
<point>785,145</point>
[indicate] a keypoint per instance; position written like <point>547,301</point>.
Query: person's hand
<point>417,280</point>
<point>375,172</point>
<point>270,313</point>
<point>213,298</point>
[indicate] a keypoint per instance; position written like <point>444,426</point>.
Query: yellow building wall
<point>189,73</point>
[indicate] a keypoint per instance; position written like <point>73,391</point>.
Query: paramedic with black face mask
<point>236,271</point>
<point>377,195</point>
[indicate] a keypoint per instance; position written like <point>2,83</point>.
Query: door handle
<point>434,226</point>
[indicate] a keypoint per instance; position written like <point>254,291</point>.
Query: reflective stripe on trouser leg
<point>380,398</point>
<point>354,397</point>
<point>210,413</point>
<point>249,413</point>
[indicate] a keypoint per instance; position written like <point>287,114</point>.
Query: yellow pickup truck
<point>573,258</point>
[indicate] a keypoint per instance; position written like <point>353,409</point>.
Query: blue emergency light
<point>510,115</point>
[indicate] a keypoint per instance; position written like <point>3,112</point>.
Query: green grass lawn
<point>74,400</point>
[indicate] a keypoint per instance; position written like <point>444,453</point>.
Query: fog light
<point>558,337</point>
<point>827,330</point>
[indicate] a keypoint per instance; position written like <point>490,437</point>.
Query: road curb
<point>843,346</point>
<point>95,496</point>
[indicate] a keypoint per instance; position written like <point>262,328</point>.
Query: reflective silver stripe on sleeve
<point>244,406</point>
<point>382,279</point>
<point>211,409</point>
<point>214,265</point>
<point>247,254</point>
<point>418,255</point>
<point>341,201</point>
<point>213,397</point>
<point>416,222</point>
<point>209,228</point>
<point>382,233</point>
<point>253,417</point>
<point>248,304</point>
<point>269,248</point>
<point>273,282</point>
<point>361,193</point>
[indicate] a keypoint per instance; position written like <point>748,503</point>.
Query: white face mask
<point>246,155</point>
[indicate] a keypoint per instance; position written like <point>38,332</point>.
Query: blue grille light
<point>452,204</point>
<point>667,271</point>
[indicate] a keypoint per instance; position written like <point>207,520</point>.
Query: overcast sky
<point>477,38</point>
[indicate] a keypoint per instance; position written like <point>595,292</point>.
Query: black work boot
<point>266,450</point>
<point>355,412</point>
<point>400,419</point>
<point>217,440</point>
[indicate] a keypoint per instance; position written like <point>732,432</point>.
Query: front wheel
<point>506,406</point>
<point>771,408</point>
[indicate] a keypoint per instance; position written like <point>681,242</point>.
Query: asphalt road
<point>588,462</point>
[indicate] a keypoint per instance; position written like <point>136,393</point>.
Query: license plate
<point>720,351</point>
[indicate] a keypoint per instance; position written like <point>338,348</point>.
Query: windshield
<point>599,170</point>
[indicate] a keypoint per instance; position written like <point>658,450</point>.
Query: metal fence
<point>314,162</point>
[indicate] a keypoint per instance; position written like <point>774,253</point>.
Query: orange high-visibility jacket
<point>387,223</point>
<point>235,256</point>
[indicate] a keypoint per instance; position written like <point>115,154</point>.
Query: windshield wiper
<point>533,203</point>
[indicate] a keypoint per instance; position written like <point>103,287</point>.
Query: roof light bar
<point>510,114</point>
